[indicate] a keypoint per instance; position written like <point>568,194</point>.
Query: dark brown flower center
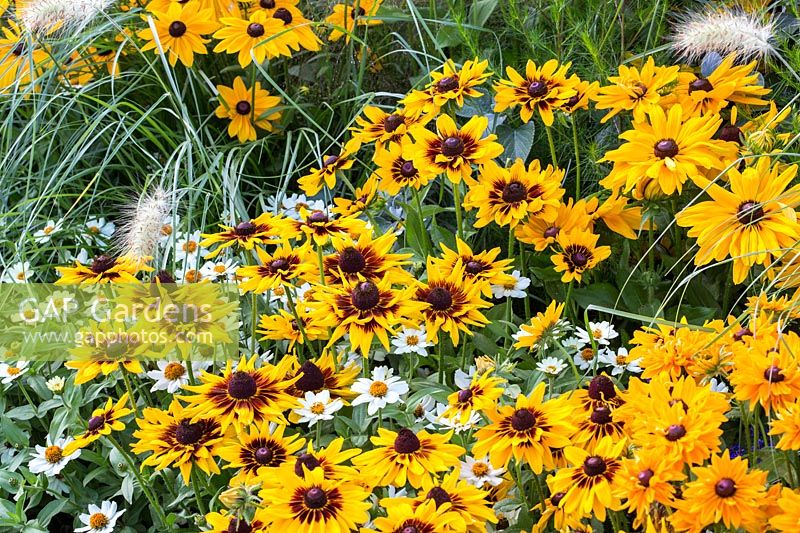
<point>283,14</point>
<point>255,30</point>
<point>177,29</point>
<point>579,258</point>
<point>18,50</point>
<point>315,498</point>
<point>365,295</point>
<point>439,495</point>
<point>644,477</point>
<point>278,265</point>
<point>749,212</point>
<point>242,385</point>
<point>572,102</point>
<point>602,388</point>
<point>514,192</point>
<point>452,146</point>
<point>267,4</point>
<point>523,420</point>
<point>773,374</point>
<point>665,148</point>
<point>556,498</point>
<point>730,133</point>
<point>307,460</point>
<point>464,395</point>
<point>440,299</point>
<point>700,84</point>
<point>351,260</point>
<point>594,466</point>
<point>408,170</point>
<point>406,441</point>
<point>675,432</point>
<point>237,525</point>
<point>448,83</point>
<point>409,529</point>
<point>601,415</point>
<point>741,334</point>
<point>331,159</point>
<point>474,267</point>
<point>392,122</point>
<point>360,12</point>
<point>311,378</point>
<point>243,107</point>
<point>263,455</point>
<point>188,433</point>
<point>96,422</point>
<point>551,232</point>
<point>537,89</point>
<point>164,277</point>
<point>103,263</point>
<point>725,487</point>
<point>245,228</point>
<point>318,217</point>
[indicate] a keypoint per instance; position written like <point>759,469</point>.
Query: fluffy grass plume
<point>63,16</point>
<point>142,221</point>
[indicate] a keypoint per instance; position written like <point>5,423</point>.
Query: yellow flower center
<point>509,286</point>
<point>192,276</point>
<point>412,340</point>
<point>21,276</point>
<point>98,521</point>
<point>48,230</point>
<point>621,360</point>
<point>166,230</point>
<point>13,371</point>
<point>53,454</point>
<point>219,268</point>
<point>378,389</point>
<point>190,246</point>
<point>480,469</point>
<point>28,314</point>
<point>94,229</point>
<point>279,291</point>
<point>587,354</point>
<point>174,371</point>
<point>597,334</point>
<point>317,408</point>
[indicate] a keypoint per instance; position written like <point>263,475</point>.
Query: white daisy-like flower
<point>437,420</point>
<point>17,273</point>
<point>478,472</point>
<point>552,366</point>
<point>99,230</point>
<point>50,460</point>
<point>602,333</point>
<point>172,375</point>
<point>585,358</point>
<point>426,406</point>
<point>380,390</point>
<point>515,290</point>
<point>292,205</point>
<point>188,275</point>
<point>220,269</point>
<point>187,248</point>
<point>411,340</point>
<point>718,385</point>
<point>82,256</point>
<point>316,407</point>
<point>46,233</point>
<point>572,344</point>
<point>619,362</point>
<point>10,372</point>
<point>100,519</point>
<point>169,224</point>
<point>462,379</point>
<point>55,384</point>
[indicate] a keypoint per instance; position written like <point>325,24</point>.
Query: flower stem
<point>196,488</point>
<point>145,488</point>
<point>577,160</point>
<point>300,326</point>
<point>129,388</point>
<point>457,201</point>
<point>552,146</point>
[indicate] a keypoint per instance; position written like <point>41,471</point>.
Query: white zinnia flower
<point>426,406</point>
<point>478,472</point>
<point>619,362</point>
<point>718,385</point>
<point>602,333</point>
<point>316,407</point>
<point>515,290</point>
<point>17,273</point>
<point>46,233</point>
<point>551,366</point>
<point>172,375</point>
<point>187,247</point>
<point>411,340</point>
<point>98,230</point>
<point>100,519</point>
<point>724,31</point>
<point>437,419</point>
<point>51,460</point>
<point>464,379</point>
<point>10,372</point>
<point>292,205</point>
<point>220,269</point>
<point>381,390</point>
<point>188,275</point>
<point>55,384</point>
<point>584,358</point>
